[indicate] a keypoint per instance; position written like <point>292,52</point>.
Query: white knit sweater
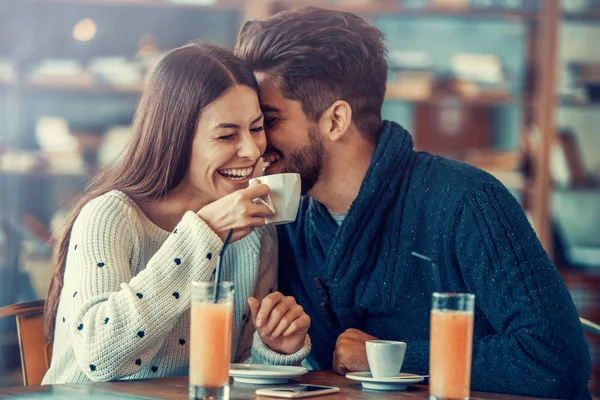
<point>124,311</point>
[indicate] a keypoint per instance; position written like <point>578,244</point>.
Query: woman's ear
<point>336,120</point>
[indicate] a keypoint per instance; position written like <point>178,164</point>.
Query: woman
<point>118,304</point>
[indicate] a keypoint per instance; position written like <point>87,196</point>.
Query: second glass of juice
<point>451,346</point>
<point>210,340</point>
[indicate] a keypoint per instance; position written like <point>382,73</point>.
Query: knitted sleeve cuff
<point>262,354</point>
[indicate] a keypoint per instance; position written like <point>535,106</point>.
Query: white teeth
<point>236,173</point>
<point>272,157</point>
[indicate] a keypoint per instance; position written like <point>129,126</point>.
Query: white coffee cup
<point>385,357</point>
<point>284,197</point>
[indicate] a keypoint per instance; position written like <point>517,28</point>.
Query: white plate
<point>258,374</point>
<point>395,383</point>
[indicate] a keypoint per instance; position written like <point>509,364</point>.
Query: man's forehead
<point>267,108</point>
<point>271,84</point>
<point>266,78</point>
<point>271,98</point>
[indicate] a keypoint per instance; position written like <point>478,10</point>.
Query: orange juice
<point>451,347</point>
<point>210,344</point>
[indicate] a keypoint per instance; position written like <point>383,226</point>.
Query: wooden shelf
<point>74,87</point>
<point>566,102</point>
<point>590,16</point>
<point>135,90</point>
<point>395,7</point>
<point>46,174</point>
<point>474,13</point>
<point>219,4</point>
<point>83,88</point>
<point>484,101</point>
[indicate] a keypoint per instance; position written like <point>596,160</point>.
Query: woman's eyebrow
<point>234,126</point>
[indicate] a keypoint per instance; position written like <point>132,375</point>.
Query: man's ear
<point>336,120</point>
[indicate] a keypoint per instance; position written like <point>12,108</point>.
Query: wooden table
<point>177,388</point>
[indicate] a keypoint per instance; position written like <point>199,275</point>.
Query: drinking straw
<point>218,271</point>
<point>436,273</point>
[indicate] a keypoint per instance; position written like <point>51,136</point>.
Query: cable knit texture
<point>124,311</point>
<point>527,336</point>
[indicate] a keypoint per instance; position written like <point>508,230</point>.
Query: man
<point>373,201</point>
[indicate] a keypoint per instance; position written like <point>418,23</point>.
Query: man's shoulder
<point>453,177</point>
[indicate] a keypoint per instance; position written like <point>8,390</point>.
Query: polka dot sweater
<point>124,308</point>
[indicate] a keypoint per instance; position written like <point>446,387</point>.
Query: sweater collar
<point>377,195</point>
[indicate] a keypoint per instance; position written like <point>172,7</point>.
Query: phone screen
<point>297,391</point>
<point>301,388</point>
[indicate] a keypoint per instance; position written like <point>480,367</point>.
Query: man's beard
<point>307,161</point>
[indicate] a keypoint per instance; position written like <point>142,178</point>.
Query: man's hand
<point>281,323</point>
<point>350,352</point>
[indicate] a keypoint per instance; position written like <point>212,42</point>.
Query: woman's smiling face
<point>228,142</point>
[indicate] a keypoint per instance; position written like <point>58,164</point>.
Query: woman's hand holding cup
<point>237,211</point>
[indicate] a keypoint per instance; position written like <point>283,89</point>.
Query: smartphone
<point>297,391</point>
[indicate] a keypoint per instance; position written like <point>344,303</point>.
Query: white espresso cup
<point>385,357</point>
<point>284,197</point>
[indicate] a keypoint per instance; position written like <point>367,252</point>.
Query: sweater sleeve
<point>539,348</point>
<point>254,350</point>
<point>119,321</point>
<point>262,354</point>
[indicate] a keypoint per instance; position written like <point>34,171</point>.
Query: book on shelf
<point>566,164</point>
<point>504,165</point>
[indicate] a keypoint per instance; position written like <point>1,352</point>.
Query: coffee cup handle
<point>268,202</point>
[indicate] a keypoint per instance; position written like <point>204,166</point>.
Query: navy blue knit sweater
<point>527,337</point>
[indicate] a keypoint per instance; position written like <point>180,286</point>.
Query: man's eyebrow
<point>268,108</point>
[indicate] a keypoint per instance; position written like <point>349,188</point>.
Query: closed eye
<point>269,122</point>
<point>226,138</point>
<point>257,129</point>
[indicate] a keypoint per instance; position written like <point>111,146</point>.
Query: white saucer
<point>258,374</point>
<point>396,383</point>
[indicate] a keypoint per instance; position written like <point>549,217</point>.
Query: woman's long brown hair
<point>183,83</point>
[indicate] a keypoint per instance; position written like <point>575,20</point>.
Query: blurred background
<point>511,86</point>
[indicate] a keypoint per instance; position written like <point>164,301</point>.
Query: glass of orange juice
<point>210,340</point>
<point>451,346</point>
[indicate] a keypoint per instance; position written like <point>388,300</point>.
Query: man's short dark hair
<point>320,56</point>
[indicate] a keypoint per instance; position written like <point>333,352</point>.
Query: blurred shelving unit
<point>537,99</point>
<point>40,37</point>
<point>576,207</point>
